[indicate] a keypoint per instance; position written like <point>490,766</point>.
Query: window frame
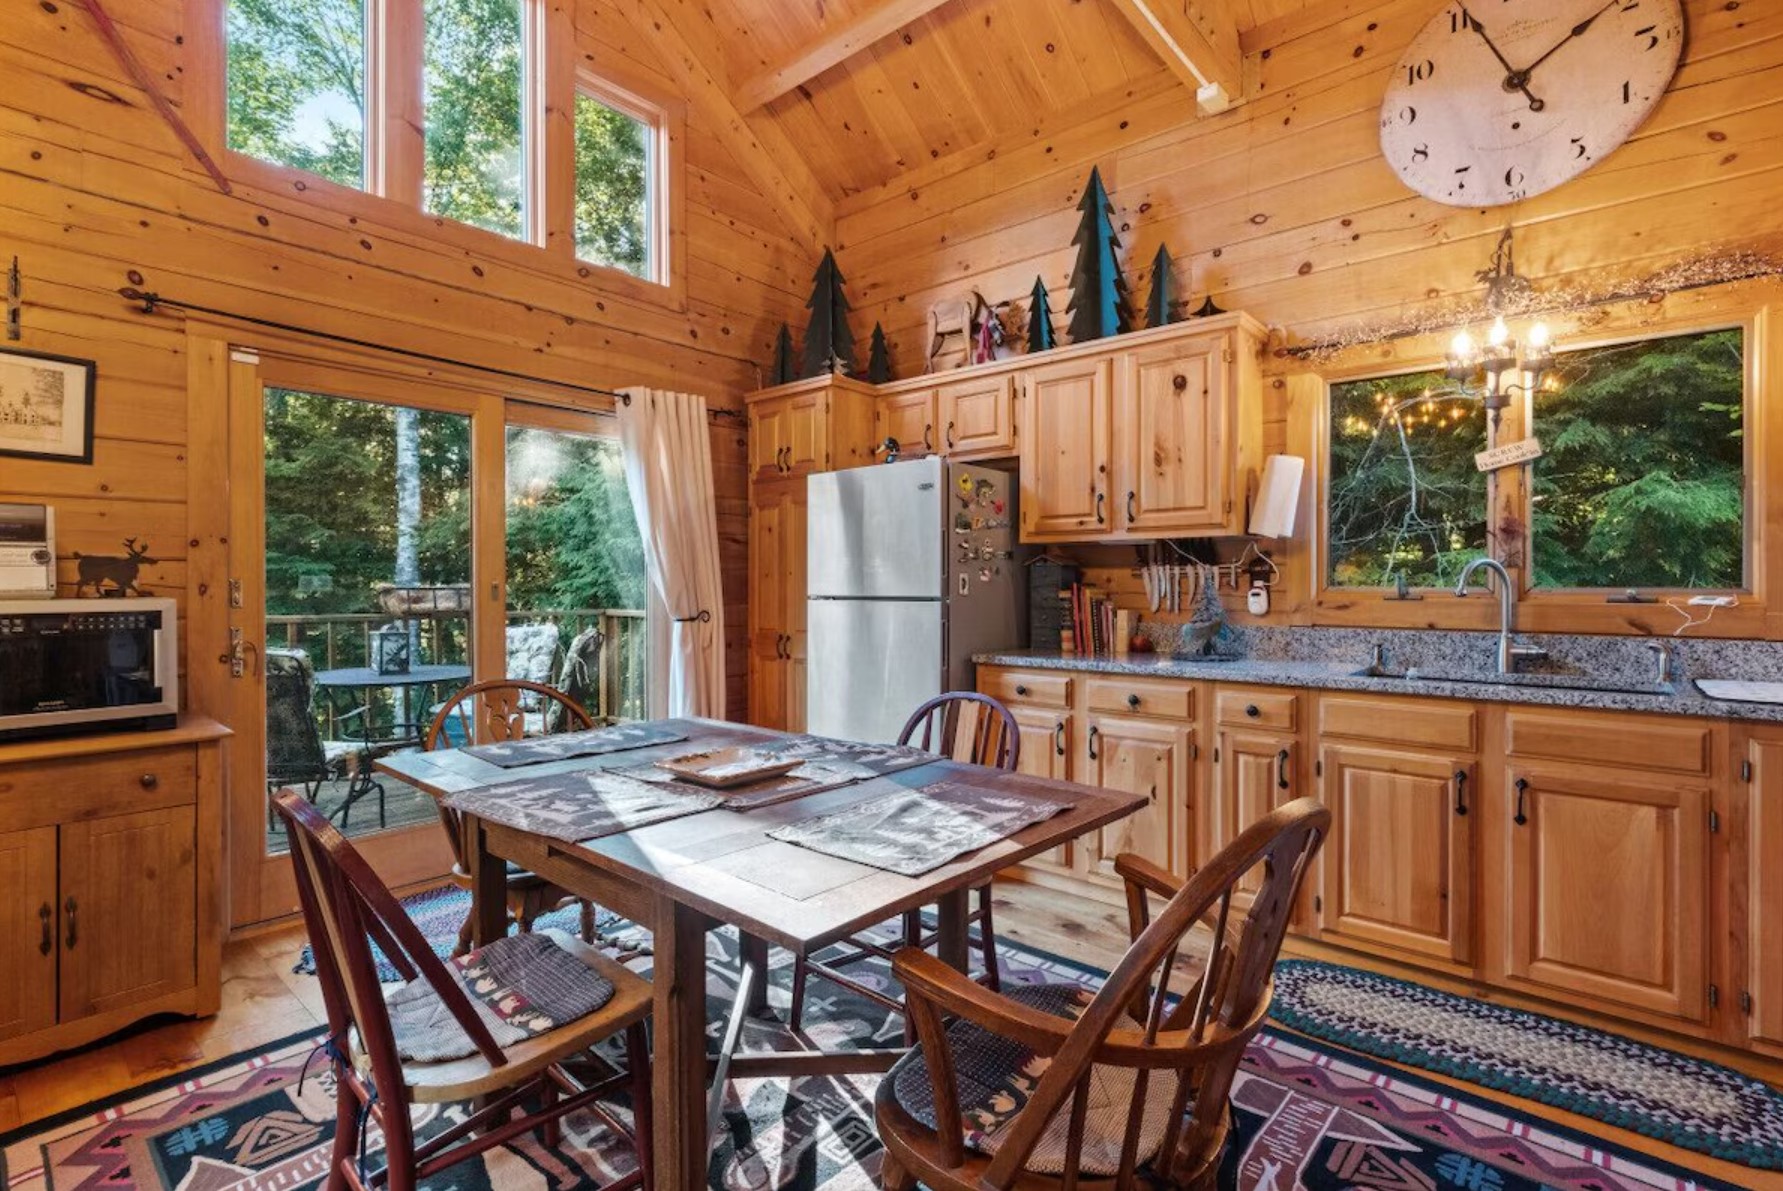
<point>656,214</point>
<point>396,148</point>
<point>1743,305</point>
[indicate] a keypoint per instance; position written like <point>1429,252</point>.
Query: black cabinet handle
<point>1021,690</point>
<point>1101,498</point>
<point>1058,739</point>
<point>1131,515</point>
<point>1252,710</point>
<point>1281,769</point>
<point>45,915</point>
<point>69,908</point>
<point>950,436</point>
<point>149,781</point>
<point>1154,795</point>
<point>1461,791</point>
<point>928,437</point>
<point>1133,702</point>
<point>1095,735</point>
<point>1522,792</point>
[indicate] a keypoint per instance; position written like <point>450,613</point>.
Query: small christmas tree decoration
<point>1040,334</point>
<point>1207,309</point>
<point>829,344</point>
<point>1098,291</point>
<point>1160,307</point>
<point>878,362</point>
<point>786,370</point>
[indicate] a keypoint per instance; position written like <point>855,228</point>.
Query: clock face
<point>1498,100</point>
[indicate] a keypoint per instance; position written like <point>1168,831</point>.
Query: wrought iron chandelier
<point>1480,369</point>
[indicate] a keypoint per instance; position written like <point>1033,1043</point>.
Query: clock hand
<point>1514,79</point>
<point>1578,30</point>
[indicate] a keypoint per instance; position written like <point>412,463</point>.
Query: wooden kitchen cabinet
<point>777,563</point>
<point>1398,865</point>
<point>1141,756</point>
<point>29,933</point>
<point>1762,981</point>
<point>127,895</point>
<point>1603,888</point>
<point>977,417</point>
<point>788,435</point>
<point>909,418</point>
<point>1176,453</point>
<point>1067,432</point>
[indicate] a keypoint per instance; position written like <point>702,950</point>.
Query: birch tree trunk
<point>408,525</point>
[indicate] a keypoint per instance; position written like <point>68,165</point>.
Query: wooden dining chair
<point>519,1088</point>
<point>1053,1085</point>
<point>487,713</point>
<point>994,742</point>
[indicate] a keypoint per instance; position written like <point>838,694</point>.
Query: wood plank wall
<point>1285,208</point>
<point>96,193</point>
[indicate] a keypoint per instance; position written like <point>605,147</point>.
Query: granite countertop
<point>1681,698</point>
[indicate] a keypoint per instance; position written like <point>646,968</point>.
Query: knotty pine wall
<point>96,193</point>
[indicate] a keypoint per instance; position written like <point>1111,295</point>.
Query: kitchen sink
<point>1558,682</point>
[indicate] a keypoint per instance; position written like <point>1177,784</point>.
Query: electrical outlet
<point>1714,601</point>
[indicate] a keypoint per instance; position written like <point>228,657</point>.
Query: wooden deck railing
<point>341,640</point>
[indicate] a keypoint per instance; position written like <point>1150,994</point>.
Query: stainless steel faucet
<point>1509,654</point>
<point>1662,651</point>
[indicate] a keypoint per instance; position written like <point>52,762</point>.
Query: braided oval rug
<point>1671,1097</point>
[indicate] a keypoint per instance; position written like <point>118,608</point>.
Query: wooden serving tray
<point>724,769</point>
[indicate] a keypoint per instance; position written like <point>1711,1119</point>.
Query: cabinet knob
<point>1252,710</point>
<point>149,781</point>
<point>1021,690</point>
<point>1133,702</point>
<point>1179,382</point>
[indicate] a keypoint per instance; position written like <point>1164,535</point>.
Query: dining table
<point>685,876</point>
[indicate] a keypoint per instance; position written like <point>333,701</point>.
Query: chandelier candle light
<point>1468,362</point>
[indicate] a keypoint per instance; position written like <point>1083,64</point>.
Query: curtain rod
<point>151,300</point>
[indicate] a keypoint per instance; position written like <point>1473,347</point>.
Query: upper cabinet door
<point>909,418</point>
<point>767,438</point>
<point>978,418</point>
<point>1067,424</point>
<point>1175,449</point>
<point>807,433</point>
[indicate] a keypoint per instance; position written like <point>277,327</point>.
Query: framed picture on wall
<point>46,406</point>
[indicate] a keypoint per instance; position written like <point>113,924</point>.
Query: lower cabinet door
<point>1605,887</point>
<point>1254,772</point>
<point>1047,739</point>
<point>28,921</point>
<point>1398,864</point>
<point>1764,896</point>
<point>1148,757</point>
<point>128,910</point>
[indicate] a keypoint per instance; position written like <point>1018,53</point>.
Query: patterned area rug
<point>1307,1117</point>
<point>1671,1097</point>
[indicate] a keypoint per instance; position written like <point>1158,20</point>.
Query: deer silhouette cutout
<point>97,570</point>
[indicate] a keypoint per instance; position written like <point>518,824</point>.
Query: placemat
<point>913,832</point>
<point>579,806</point>
<point>862,761</point>
<point>618,738</point>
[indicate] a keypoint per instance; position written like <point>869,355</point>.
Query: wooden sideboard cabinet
<point>110,855</point>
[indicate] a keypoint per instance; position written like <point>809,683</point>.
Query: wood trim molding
<point>764,152</point>
<point>848,38</point>
<point>1198,41</point>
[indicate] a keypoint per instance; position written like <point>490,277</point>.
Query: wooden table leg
<point>679,1139</point>
<point>950,943</point>
<point>755,951</point>
<point>489,886</point>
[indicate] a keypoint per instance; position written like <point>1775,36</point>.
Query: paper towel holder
<point>1278,497</point>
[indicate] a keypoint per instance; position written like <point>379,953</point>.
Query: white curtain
<point>668,467</point>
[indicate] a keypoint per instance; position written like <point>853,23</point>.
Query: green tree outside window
<point>612,187</point>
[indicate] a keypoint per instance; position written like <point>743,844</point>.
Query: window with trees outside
<point>614,149</point>
<point>474,78</point>
<point>296,85</point>
<point>1642,483</point>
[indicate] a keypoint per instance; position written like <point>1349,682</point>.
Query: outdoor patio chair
<point>296,754</point>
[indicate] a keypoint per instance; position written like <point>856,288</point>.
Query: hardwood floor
<point>263,1000</point>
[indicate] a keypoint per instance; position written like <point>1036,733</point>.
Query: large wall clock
<point>1498,100</point>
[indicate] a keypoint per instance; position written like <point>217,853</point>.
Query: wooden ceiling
<point>869,89</point>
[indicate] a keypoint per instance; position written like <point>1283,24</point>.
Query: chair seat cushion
<point>996,1076</point>
<point>520,985</point>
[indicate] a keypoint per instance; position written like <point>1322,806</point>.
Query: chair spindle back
<point>995,740</point>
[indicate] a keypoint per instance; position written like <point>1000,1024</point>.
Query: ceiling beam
<point>764,152</point>
<point>832,48</point>
<point>1198,40</point>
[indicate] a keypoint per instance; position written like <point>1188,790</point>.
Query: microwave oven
<point>79,666</point>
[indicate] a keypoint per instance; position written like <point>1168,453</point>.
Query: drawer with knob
<point>57,791</point>
<point>1156,697</point>
<point>1024,686</point>
<point>1261,709</point>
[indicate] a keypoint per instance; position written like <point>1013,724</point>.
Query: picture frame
<point>46,406</point>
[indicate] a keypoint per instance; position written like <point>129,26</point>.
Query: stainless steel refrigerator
<point>911,570</point>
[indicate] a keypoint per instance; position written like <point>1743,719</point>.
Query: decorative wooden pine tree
<point>878,362</point>
<point>1040,333</point>
<point>786,369</point>
<point>1098,291</point>
<point>829,345</point>
<point>1160,307</point>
